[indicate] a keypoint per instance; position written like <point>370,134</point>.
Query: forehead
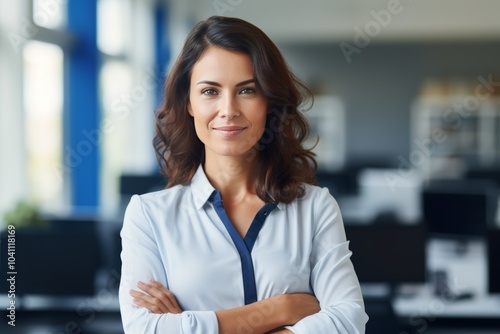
<point>218,64</point>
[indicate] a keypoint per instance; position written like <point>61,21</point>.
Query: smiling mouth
<point>229,131</point>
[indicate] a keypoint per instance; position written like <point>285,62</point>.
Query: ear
<point>189,109</point>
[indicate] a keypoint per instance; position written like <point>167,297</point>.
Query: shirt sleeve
<point>333,279</point>
<point>141,261</point>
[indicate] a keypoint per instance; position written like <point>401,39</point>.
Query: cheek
<point>201,113</point>
<point>200,126</point>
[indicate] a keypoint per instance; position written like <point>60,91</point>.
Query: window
<point>43,101</point>
<point>115,81</point>
<point>43,57</point>
<point>50,14</point>
<point>125,39</point>
<point>113,24</point>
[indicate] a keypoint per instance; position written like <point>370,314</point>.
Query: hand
<point>157,299</point>
<point>298,306</point>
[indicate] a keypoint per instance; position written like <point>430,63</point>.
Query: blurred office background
<point>407,108</point>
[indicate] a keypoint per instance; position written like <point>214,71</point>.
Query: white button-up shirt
<point>182,238</point>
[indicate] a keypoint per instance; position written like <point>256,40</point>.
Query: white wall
<point>322,20</point>
<point>13,185</point>
<point>428,38</point>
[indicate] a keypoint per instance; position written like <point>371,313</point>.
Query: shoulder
<point>161,201</point>
<point>325,218</point>
<point>317,196</point>
<point>146,214</point>
<point>316,205</point>
<point>320,206</point>
<point>164,195</point>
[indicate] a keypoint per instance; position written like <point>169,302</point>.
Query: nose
<point>229,108</point>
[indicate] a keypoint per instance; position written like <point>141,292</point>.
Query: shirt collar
<point>202,189</point>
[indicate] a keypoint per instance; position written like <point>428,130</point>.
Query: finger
<point>134,293</point>
<point>151,303</point>
<point>160,297</point>
<point>159,291</point>
<point>167,293</point>
<point>151,308</point>
<point>139,295</point>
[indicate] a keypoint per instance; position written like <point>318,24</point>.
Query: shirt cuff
<point>200,322</point>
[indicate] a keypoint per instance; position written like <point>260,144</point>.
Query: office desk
<point>428,305</point>
<point>466,273</point>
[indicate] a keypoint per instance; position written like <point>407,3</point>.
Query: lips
<point>229,131</point>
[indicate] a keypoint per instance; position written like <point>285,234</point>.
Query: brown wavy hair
<point>283,164</point>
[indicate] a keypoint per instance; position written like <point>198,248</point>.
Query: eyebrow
<point>213,83</point>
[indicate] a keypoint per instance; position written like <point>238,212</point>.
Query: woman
<point>240,241</point>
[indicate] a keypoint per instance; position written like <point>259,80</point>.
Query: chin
<point>233,152</point>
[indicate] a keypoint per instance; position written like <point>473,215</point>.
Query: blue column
<point>82,139</point>
<point>162,47</point>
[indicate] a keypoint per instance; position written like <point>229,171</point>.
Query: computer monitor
<point>492,174</point>
<point>493,244</point>
<point>131,184</point>
<point>388,253</point>
<point>339,183</point>
<point>60,260</point>
<point>459,208</point>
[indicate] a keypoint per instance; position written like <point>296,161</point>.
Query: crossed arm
<point>332,279</point>
<point>280,310</point>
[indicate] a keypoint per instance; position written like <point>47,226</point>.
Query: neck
<point>233,176</point>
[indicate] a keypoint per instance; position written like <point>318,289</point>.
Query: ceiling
<point>343,20</point>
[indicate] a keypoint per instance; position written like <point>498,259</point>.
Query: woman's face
<point>229,114</point>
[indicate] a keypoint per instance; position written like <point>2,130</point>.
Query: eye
<point>247,91</point>
<point>209,92</point>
